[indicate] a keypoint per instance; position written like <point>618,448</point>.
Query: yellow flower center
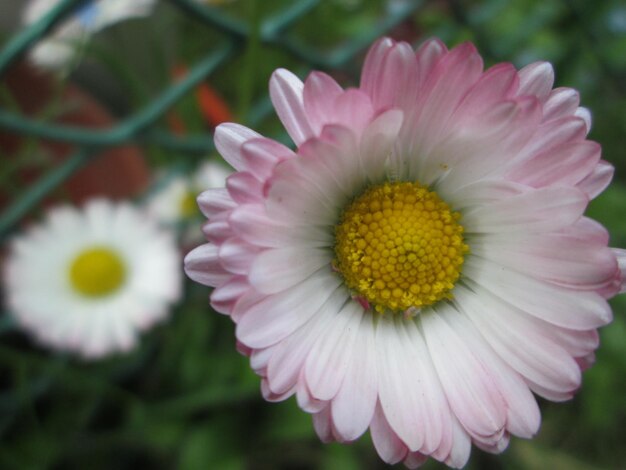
<point>188,206</point>
<point>399,247</point>
<point>97,272</point>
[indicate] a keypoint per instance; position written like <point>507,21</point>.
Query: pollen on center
<point>399,247</point>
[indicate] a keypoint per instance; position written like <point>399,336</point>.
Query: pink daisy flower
<point>421,263</point>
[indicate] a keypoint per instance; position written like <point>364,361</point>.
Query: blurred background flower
<point>173,200</point>
<point>124,113</point>
<point>67,39</point>
<point>88,281</point>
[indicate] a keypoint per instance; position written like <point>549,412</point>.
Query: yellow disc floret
<point>97,272</point>
<point>399,247</point>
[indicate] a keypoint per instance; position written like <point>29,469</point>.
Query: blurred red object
<point>118,172</point>
<point>213,108</point>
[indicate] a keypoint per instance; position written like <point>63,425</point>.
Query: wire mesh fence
<point>142,126</point>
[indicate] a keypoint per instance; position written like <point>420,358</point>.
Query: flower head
<point>421,263</point>
<point>175,202</point>
<point>58,50</point>
<point>87,281</point>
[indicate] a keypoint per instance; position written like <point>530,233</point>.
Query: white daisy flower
<point>88,281</point>
<point>421,263</point>
<point>175,202</point>
<point>60,47</point>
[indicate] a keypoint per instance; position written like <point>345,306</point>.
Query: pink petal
<point>377,142</point>
<point>551,134</point>
<point>497,84</point>
<point>286,94</point>
<point>272,397</point>
<point>279,315</point>
<point>202,265</point>
<point>302,190</point>
<point>260,357</point>
<point>319,95</point>
<point>244,188</point>
<point>237,255</point>
<point>536,79</point>
<point>217,229</point>
<point>427,56</point>
<point>306,400</point>
<point>252,225</point>
<point>537,210</point>
<point>329,171</point>
<point>621,261</point>
<point>214,201</point>
<point>550,394</point>
<point>468,384</point>
<point>392,81</point>
<point>496,446</point>
<point>415,460</point>
<point>388,445</point>
<point>261,155</point>
<point>452,77</point>
<point>588,230</point>
<point>373,64</point>
<point>576,343</point>
<point>566,164</point>
<point>224,297</point>
<point>585,115</point>
<point>561,103</point>
<point>323,425</point>
<point>353,110</point>
<point>284,367</point>
<point>275,270</point>
<point>229,137</point>
<point>598,180</point>
<point>474,151</point>
<point>523,416</point>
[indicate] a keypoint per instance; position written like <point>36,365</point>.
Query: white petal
<point>285,366</point>
<point>461,447</point>
<point>577,310</point>
<point>402,409</point>
<point>537,210</point>
<point>353,406</point>
<point>329,358</point>
<point>521,344</point>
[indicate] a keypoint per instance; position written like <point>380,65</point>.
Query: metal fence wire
<point>142,126</point>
